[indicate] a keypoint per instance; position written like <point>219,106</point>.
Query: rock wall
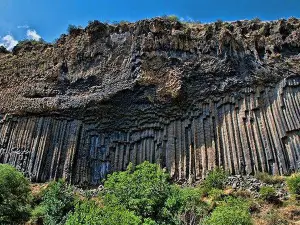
<point>256,132</point>
<point>223,103</point>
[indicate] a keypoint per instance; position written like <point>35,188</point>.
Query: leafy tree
<point>88,212</point>
<point>142,190</point>
<point>15,196</point>
<point>146,191</point>
<point>57,201</point>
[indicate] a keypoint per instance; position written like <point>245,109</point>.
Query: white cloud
<point>23,27</point>
<point>8,42</point>
<point>33,35</point>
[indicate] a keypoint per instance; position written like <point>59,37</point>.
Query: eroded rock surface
<point>188,96</point>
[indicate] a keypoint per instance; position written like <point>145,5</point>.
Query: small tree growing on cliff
<point>15,196</point>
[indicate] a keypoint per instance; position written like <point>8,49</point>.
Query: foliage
<point>267,193</point>
<point>215,179</point>
<point>37,214</point>
<point>88,212</point>
<point>256,20</point>
<point>216,194</point>
<point>3,49</point>
<point>233,211</point>
<point>293,183</point>
<point>184,206</point>
<point>58,200</point>
<point>269,179</point>
<point>143,190</point>
<point>172,18</point>
<point>15,196</point>
<point>72,29</point>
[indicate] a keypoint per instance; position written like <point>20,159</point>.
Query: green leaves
<point>146,191</point>
<point>293,183</point>
<point>57,201</point>
<point>88,212</point>
<point>215,179</point>
<point>233,211</point>
<point>143,190</point>
<point>15,196</point>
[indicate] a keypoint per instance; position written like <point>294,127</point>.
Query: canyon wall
<point>190,97</point>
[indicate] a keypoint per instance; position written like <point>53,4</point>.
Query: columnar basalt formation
<point>188,96</point>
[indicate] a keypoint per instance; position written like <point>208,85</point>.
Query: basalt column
<point>257,131</point>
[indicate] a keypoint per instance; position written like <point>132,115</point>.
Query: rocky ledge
<point>188,96</point>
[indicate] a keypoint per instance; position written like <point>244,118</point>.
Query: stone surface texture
<point>188,96</point>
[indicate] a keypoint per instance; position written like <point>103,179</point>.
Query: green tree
<point>146,191</point>
<point>88,212</point>
<point>142,190</point>
<point>57,201</point>
<point>15,196</point>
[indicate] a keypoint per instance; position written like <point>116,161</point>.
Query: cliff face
<point>188,96</point>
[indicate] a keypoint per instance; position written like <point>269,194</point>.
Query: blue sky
<point>32,19</point>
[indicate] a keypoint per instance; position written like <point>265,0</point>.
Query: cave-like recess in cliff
<point>190,97</point>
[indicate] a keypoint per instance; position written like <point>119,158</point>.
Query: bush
<point>146,191</point>
<point>38,214</point>
<point>269,179</point>
<point>215,179</point>
<point>88,212</point>
<point>232,211</point>
<point>142,190</point>
<point>293,183</point>
<point>57,201</point>
<point>72,29</point>
<point>216,194</point>
<point>172,18</point>
<point>184,206</point>
<point>267,193</point>
<point>15,196</point>
<point>3,49</point>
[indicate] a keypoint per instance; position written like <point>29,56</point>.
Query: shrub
<point>142,190</point>
<point>37,214</point>
<point>215,179</point>
<point>3,49</point>
<point>57,201</point>
<point>145,190</point>
<point>15,196</point>
<point>88,212</point>
<point>72,29</point>
<point>293,183</point>
<point>184,206</point>
<point>267,193</point>
<point>269,179</point>
<point>172,18</point>
<point>232,211</point>
<point>216,194</point>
